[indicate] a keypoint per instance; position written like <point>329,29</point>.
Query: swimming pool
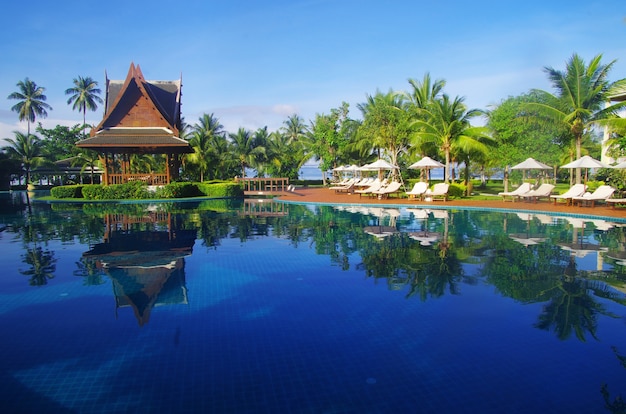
<point>265,307</point>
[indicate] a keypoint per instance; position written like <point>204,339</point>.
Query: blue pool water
<point>270,308</point>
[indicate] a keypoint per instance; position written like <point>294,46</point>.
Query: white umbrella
<point>530,164</point>
<point>380,165</point>
<point>585,162</point>
<point>426,163</point>
<point>621,165</point>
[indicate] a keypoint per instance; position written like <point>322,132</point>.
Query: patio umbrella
<point>530,164</point>
<point>380,165</point>
<point>585,162</point>
<point>426,164</point>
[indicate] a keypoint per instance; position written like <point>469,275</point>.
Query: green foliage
<point>178,190</point>
<point>59,142</point>
<point>131,190</point>
<point>67,191</point>
<point>457,190</point>
<point>616,178</point>
<point>136,190</point>
<point>223,189</point>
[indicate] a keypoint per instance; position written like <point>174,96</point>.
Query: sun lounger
<point>439,191</point>
<point>602,193</point>
<point>543,191</point>
<point>391,188</point>
<point>616,201</point>
<point>375,186</point>
<point>522,189</point>
<point>574,191</point>
<point>347,188</point>
<point>418,190</point>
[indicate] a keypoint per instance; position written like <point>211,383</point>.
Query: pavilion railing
<point>148,178</point>
<point>263,185</point>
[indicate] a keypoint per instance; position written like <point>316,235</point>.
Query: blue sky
<point>254,63</point>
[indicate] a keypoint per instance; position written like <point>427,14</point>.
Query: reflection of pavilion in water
<point>144,257</point>
<point>263,207</point>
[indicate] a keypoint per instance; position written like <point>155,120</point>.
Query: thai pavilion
<point>140,118</point>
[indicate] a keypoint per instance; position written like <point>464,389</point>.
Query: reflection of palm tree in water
<point>571,309</point>
<point>43,266</point>
<point>90,271</point>
<point>617,405</point>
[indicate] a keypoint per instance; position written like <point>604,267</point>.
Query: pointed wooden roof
<point>140,116</point>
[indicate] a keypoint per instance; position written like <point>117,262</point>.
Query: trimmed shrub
<point>178,190</point>
<point>67,191</point>
<point>130,190</point>
<point>457,190</point>
<point>223,189</point>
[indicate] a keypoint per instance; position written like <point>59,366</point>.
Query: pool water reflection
<point>268,307</point>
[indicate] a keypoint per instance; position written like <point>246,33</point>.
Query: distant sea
<point>311,172</point>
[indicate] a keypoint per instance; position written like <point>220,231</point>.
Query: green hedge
<point>178,190</point>
<point>131,190</point>
<point>67,191</point>
<point>224,189</point>
<point>136,190</point>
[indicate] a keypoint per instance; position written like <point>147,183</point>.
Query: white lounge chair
<point>602,193</point>
<point>375,186</point>
<point>574,191</point>
<point>439,190</point>
<point>348,187</point>
<point>543,191</point>
<point>418,190</point>
<point>616,201</point>
<point>391,188</point>
<point>522,189</point>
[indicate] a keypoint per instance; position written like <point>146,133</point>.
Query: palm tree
<point>425,91</point>
<point>581,100</point>
<point>32,102</point>
<point>27,149</point>
<point>294,128</point>
<point>84,95</point>
<point>203,138</point>
<point>246,149</point>
<point>88,159</point>
<point>446,123</point>
<point>385,124</point>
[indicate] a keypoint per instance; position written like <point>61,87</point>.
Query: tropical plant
<point>204,141</point>
<point>294,129</point>
<point>445,123</point>
<point>84,96</point>
<point>386,125</point>
<point>246,149</point>
<point>328,137</point>
<point>27,149</point>
<point>581,99</point>
<point>88,159</point>
<point>32,102</point>
<point>60,142</point>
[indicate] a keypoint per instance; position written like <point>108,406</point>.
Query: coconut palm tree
<point>88,159</point>
<point>385,124</point>
<point>294,128</point>
<point>424,91</point>
<point>581,99</point>
<point>27,149</point>
<point>445,122</point>
<point>84,95</point>
<point>246,149</point>
<point>203,141</point>
<point>32,102</point>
